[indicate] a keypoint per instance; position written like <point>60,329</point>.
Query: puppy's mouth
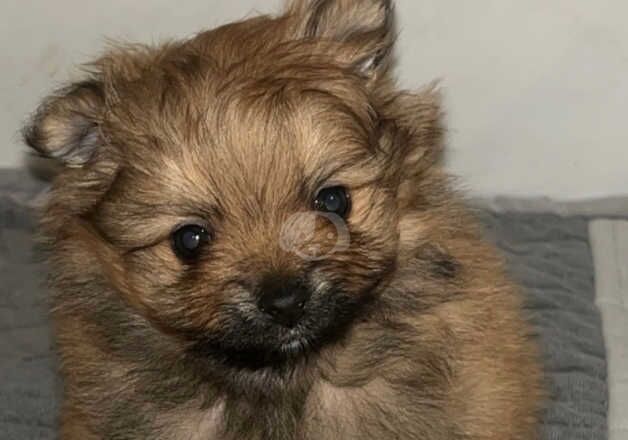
<point>276,352</point>
<point>295,343</point>
<point>257,342</point>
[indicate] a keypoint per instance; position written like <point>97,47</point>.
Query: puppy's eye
<point>188,240</point>
<point>333,199</point>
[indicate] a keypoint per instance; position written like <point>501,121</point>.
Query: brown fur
<point>421,336</point>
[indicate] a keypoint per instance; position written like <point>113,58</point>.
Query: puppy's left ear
<point>66,125</point>
<point>365,27</point>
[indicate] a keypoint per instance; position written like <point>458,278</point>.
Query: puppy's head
<point>242,189</point>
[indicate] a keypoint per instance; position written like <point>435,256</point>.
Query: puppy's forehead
<point>256,137</point>
<point>305,128</point>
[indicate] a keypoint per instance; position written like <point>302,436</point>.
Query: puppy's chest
<point>329,412</point>
<point>191,424</point>
<point>347,412</point>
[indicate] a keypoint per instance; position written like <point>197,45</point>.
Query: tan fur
<point>238,128</point>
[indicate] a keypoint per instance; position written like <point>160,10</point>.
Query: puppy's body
<point>408,330</point>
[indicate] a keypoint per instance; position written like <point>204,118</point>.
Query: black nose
<point>283,298</point>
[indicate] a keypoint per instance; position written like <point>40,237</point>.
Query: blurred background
<point>535,90</point>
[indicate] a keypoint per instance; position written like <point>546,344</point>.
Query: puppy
<point>252,238</point>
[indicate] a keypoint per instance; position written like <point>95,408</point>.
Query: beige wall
<point>537,90</point>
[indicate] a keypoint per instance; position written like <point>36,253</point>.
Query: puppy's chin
<point>253,343</point>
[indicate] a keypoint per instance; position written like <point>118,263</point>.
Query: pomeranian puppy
<point>252,238</point>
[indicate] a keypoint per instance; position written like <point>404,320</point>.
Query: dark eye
<point>188,240</point>
<point>333,199</point>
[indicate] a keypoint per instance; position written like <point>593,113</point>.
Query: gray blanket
<point>551,258</point>
<point>28,401</point>
<point>548,254</point>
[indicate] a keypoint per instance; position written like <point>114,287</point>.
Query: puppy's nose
<point>283,298</point>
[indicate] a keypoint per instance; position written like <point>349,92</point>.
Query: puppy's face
<point>263,229</point>
<point>245,183</point>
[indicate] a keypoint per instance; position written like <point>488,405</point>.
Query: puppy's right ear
<point>365,26</point>
<point>66,127</point>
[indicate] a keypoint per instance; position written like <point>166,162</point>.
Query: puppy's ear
<point>66,125</point>
<point>365,26</point>
<point>412,134</point>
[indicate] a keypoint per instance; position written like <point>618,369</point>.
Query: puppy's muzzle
<point>283,298</point>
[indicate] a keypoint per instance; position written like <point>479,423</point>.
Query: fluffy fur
<point>412,331</point>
